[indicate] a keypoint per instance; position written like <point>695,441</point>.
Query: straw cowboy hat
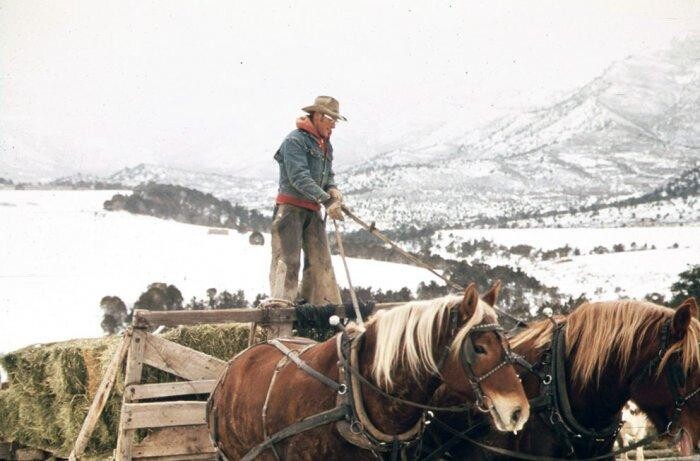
<point>326,105</point>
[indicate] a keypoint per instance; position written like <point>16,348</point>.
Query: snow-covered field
<point>651,262</point>
<point>61,253</point>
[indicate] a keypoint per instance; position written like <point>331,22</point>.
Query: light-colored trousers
<point>295,229</point>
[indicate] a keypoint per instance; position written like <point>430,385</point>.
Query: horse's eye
<point>479,349</point>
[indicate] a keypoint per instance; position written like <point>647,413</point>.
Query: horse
<point>586,366</point>
<point>363,393</point>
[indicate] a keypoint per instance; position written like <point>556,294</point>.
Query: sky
<point>95,86</point>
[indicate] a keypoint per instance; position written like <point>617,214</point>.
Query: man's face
<point>324,124</point>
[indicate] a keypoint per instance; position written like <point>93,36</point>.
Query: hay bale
<point>52,386</point>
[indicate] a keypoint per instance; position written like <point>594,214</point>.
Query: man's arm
<point>297,166</point>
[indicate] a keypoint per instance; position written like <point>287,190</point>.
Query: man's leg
<point>286,233</point>
<point>318,284</point>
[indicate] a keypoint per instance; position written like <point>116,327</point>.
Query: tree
<point>160,297</point>
<point>687,286</point>
<point>114,314</point>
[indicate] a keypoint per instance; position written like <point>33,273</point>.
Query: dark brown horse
<point>406,352</point>
<point>612,352</point>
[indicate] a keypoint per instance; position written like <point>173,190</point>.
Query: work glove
<point>335,193</point>
<point>333,209</point>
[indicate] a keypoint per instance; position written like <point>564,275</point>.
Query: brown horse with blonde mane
<point>382,375</point>
<point>612,352</point>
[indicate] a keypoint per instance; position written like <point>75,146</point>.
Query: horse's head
<point>478,366</point>
<point>668,390</point>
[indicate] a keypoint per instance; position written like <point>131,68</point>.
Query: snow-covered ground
<point>634,272</point>
<point>61,253</point>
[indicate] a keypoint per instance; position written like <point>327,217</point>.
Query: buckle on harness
<point>342,389</point>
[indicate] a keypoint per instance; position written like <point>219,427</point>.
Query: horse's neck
<point>387,415</point>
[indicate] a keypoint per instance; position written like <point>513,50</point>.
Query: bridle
<point>467,354</point>
<point>675,377</point>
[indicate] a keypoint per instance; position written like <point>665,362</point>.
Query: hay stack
<point>52,386</point>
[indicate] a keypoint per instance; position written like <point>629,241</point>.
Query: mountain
<point>623,134</point>
<point>253,193</point>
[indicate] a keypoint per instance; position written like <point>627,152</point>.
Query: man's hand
<point>336,194</point>
<point>333,208</point>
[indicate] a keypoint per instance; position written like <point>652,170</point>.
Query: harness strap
<point>356,374</point>
<point>328,416</point>
<point>561,395</point>
<point>294,357</point>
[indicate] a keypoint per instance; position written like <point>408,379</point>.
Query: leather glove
<point>333,209</point>
<point>335,193</point>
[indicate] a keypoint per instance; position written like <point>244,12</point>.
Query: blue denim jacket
<point>304,171</point>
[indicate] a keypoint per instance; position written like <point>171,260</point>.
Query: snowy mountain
<point>622,134</point>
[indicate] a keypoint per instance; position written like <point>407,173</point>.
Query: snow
<point>611,275</point>
<point>62,253</point>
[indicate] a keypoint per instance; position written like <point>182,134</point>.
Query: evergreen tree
<point>687,286</point>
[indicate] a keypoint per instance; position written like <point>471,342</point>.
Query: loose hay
<point>52,386</point>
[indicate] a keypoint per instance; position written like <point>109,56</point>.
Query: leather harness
<point>352,422</point>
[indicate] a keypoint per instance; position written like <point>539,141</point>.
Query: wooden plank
<point>132,375</point>
<point>190,440</point>
<point>101,396</point>
<point>146,318</point>
<point>150,391</point>
<point>180,360</point>
<point>163,414</point>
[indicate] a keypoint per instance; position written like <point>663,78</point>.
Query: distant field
<point>62,253</point>
<point>600,276</point>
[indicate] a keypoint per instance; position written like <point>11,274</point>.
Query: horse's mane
<point>601,330</point>
<point>406,333</point>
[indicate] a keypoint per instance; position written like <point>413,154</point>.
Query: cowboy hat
<point>326,105</point>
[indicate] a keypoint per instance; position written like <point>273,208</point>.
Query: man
<point>306,182</point>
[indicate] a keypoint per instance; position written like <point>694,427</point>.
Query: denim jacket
<point>305,172</point>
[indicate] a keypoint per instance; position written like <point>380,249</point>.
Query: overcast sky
<point>94,86</point>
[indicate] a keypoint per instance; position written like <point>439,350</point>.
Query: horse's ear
<point>681,318</point>
<point>469,302</point>
<point>491,296</point>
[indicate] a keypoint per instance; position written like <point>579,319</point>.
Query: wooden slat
<point>132,375</point>
<point>100,399</point>
<point>150,391</point>
<point>180,360</point>
<point>190,440</point>
<point>148,318</point>
<point>163,414</point>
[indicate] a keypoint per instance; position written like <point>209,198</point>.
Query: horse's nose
<point>515,416</point>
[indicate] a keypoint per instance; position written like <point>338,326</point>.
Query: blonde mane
<point>604,329</point>
<point>406,333</point>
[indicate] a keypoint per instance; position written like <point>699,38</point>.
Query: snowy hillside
<point>600,263</point>
<point>623,134</point>
<point>62,253</point>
